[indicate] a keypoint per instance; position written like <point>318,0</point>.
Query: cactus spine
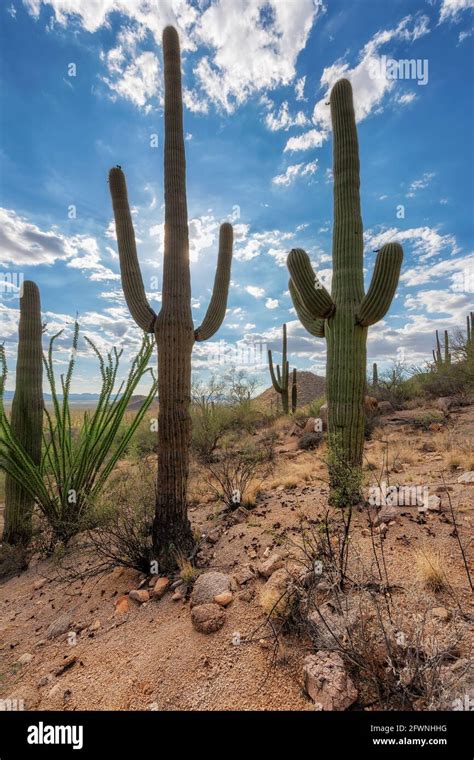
<point>27,412</point>
<point>173,326</point>
<point>344,316</point>
<point>280,380</point>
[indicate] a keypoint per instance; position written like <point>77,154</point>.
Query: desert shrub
<point>144,441</point>
<point>237,471</point>
<point>371,420</point>
<point>430,569</point>
<point>76,465</point>
<point>430,418</point>
<point>210,422</point>
<point>310,441</point>
<point>345,478</point>
<point>454,379</point>
<point>123,514</point>
<point>314,407</point>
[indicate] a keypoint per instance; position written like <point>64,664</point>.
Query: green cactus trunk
<point>375,376</point>
<point>294,393</point>
<point>27,412</point>
<point>280,380</point>
<point>344,316</point>
<point>173,326</point>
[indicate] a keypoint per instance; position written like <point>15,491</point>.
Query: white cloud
<point>299,88</point>
<point>307,140</point>
<point>272,303</point>
<point>255,291</point>
<point>425,242</point>
<point>406,98</point>
<point>452,9</point>
<point>260,242</point>
<point>369,90</point>
<point>459,272</point>
<point>420,184</point>
<point>282,119</point>
<point>294,171</point>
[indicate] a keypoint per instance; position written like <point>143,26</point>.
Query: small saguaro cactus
<point>280,381</point>
<point>470,331</point>
<point>344,316</point>
<point>375,376</point>
<point>27,412</point>
<point>173,326</point>
<point>294,392</point>
<point>439,360</point>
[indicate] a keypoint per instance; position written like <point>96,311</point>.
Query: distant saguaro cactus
<point>280,381</point>
<point>439,360</point>
<point>375,376</point>
<point>173,326</point>
<point>344,316</point>
<point>27,412</point>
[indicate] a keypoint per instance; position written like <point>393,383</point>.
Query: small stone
<point>25,659</point>
<point>176,584</point>
<point>139,595</point>
<point>95,626</point>
<point>160,587</point>
<point>44,681</point>
<point>178,595</point>
<point>122,605</point>
<point>224,599</point>
<point>441,613</point>
<point>268,566</point>
<point>207,618</point>
<point>207,586</point>
<point>244,575</point>
<point>59,626</point>
<point>467,477</point>
<point>433,503</point>
<point>386,514</point>
<point>428,446</point>
<point>39,584</point>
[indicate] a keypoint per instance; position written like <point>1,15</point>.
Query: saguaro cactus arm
<point>217,306</point>
<point>378,298</point>
<point>132,282</point>
<point>312,292</point>
<point>313,325</point>
<point>276,381</point>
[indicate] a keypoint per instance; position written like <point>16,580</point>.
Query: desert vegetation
<point>321,546</point>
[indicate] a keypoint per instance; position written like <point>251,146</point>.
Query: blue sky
<point>81,91</point>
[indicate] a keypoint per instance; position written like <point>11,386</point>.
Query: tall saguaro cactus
<point>27,412</point>
<point>173,326</point>
<point>375,376</point>
<point>344,316</point>
<point>280,380</point>
<point>439,360</point>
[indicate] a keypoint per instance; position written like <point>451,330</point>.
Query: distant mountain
<point>84,398</point>
<point>310,387</point>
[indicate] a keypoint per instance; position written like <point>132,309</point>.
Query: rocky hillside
<point>310,386</point>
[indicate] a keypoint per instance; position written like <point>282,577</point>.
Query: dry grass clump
<point>294,472</point>
<point>430,569</point>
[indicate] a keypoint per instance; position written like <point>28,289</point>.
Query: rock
<point>95,626</point>
<point>467,477</point>
<point>428,446</point>
<point>327,681</point>
<point>269,565</point>
<point>224,599</point>
<point>444,404</point>
<point>207,586</point>
<point>310,426</point>
<point>386,514</point>
<point>176,584</point>
<point>39,584</point>
<point>25,659</point>
<point>139,595</point>
<point>335,627</point>
<point>214,535</point>
<point>239,515</point>
<point>160,587</point>
<point>433,503</point>
<point>244,575</point>
<point>441,613</point>
<point>59,626</point>
<point>273,599</point>
<point>179,594</point>
<point>385,407</point>
<point>381,529</point>
<point>122,605</point>
<point>207,618</point>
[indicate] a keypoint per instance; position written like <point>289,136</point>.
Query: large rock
<point>274,597</point>
<point>385,407</point>
<point>444,403</point>
<point>327,681</point>
<point>310,426</point>
<point>207,618</point>
<point>323,415</point>
<point>59,626</point>
<point>207,586</point>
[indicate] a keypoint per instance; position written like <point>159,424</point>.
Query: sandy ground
<point>152,658</point>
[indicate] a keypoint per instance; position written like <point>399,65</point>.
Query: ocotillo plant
<point>280,380</point>
<point>344,316</point>
<point>27,412</point>
<point>439,360</point>
<point>173,326</point>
